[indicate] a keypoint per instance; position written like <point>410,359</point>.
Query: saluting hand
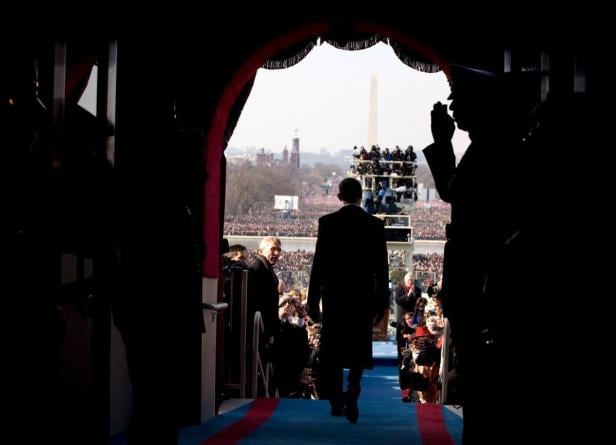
<point>442,124</point>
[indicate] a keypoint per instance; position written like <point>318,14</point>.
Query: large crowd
<point>428,220</point>
<point>293,267</point>
<point>295,349</point>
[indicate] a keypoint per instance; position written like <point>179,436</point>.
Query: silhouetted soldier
<point>481,192</point>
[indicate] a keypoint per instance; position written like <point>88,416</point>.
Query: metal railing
<point>257,367</point>
<point>241,385</point>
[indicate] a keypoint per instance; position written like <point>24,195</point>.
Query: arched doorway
<point>215,143</point>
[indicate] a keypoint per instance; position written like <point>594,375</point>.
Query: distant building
<point>264,159</point>
<point>294,161</point>
<point>239,159</point>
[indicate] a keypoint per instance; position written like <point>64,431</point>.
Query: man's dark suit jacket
<point>405,302</point>
<point>350,276</point>
<point>263,295</point>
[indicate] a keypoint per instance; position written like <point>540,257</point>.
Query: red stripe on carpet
<point>432,425</point>
<point>260,411</point>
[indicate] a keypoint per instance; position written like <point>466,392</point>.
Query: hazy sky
<point>326,96</point>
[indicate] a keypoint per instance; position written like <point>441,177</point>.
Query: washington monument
<point>373,110</point>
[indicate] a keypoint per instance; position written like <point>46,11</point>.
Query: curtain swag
<point>349,41</point>
<point>354,45</point>
<point>413,60</point>
<point>290,57</point>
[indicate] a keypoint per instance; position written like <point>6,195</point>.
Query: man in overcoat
<point>263,290</point>
<point>349,278</point>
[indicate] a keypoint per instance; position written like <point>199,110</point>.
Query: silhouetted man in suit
<point>349,276</point>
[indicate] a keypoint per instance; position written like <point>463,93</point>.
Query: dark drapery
<point>413,59</point>
<point>348,39</point>
<point>236,109</point>
<point>291,55</point>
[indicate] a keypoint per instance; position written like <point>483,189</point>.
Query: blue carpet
<point>454,425</point>
<point>383,419</point>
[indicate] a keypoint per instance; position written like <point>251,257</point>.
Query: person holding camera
<point>354,294</point>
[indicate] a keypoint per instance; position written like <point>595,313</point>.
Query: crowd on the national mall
<point>428,221</point>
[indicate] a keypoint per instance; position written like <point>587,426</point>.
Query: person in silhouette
<point>353,290</point>
<point>481,191</point>
<point>558,129</point>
